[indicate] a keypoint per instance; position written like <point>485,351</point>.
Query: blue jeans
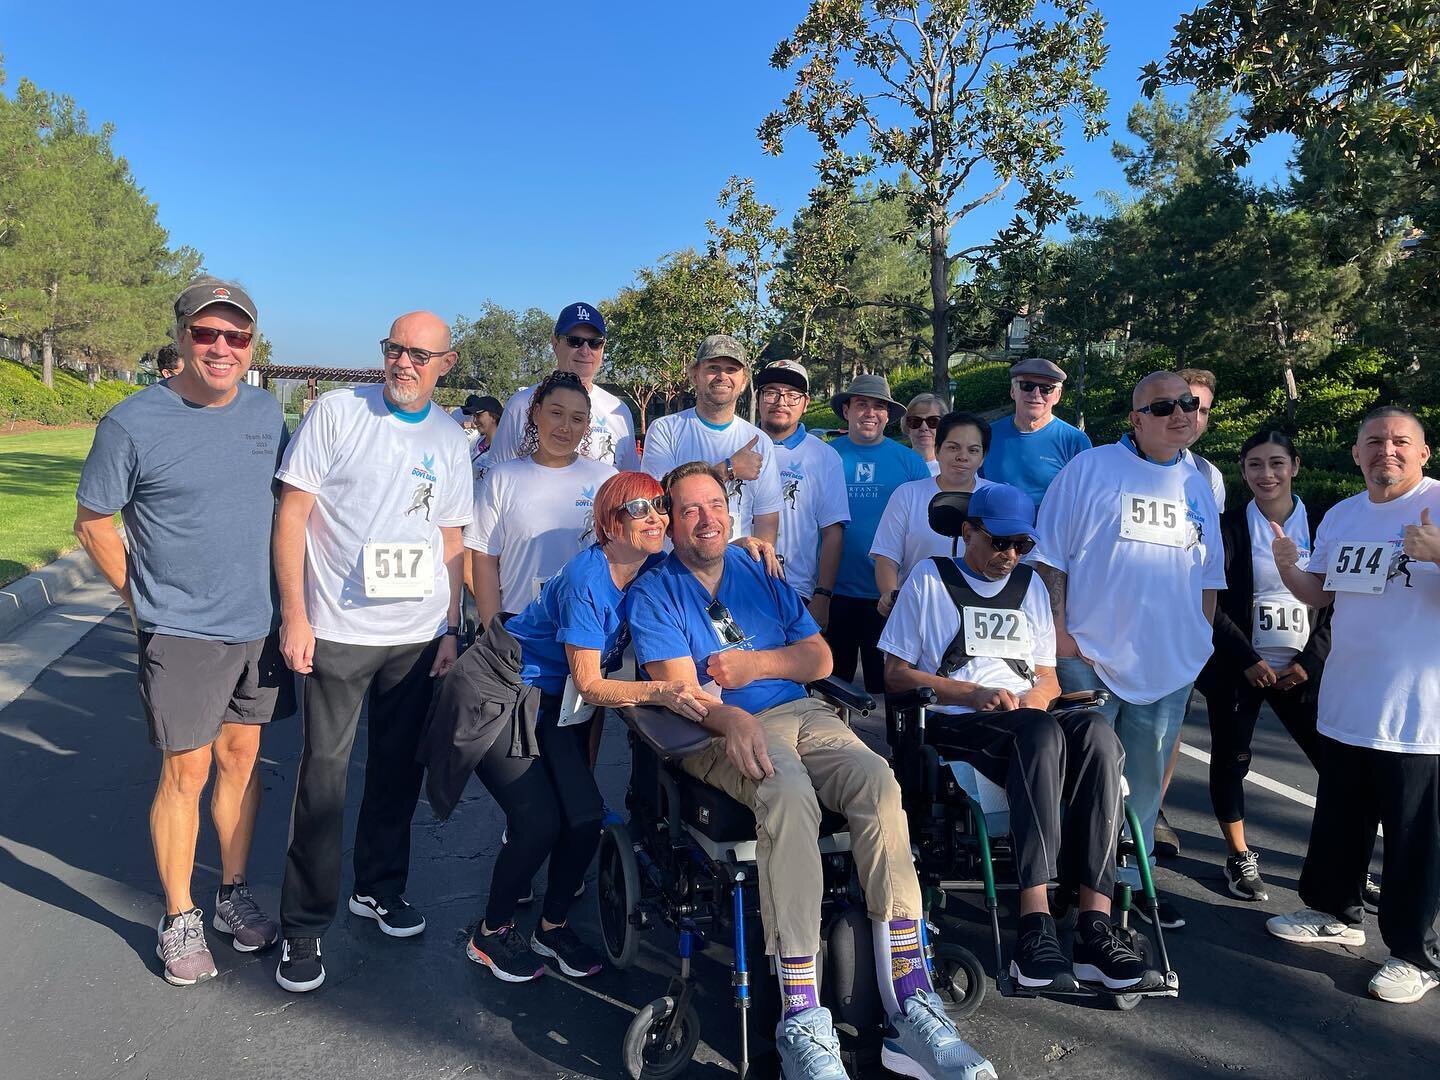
<point>1147,732</point>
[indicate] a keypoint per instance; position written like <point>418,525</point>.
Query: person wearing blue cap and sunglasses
<point>579,346</point>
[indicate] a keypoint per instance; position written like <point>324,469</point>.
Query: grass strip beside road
<point>38,474</point>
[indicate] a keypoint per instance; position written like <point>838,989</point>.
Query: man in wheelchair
<point>977,631</point>
<point>705,616</point>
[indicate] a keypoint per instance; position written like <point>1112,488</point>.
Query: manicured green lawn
<point>38,474</point>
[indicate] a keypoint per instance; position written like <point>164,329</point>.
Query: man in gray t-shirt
<point>189,464</point>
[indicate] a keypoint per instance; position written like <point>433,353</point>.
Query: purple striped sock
<point>797,984</point>
<point>907,959</point>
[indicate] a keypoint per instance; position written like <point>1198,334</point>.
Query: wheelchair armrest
<point>1078,701</point>
<point>841,693</point>
<point>670,735</point>
<point>915,697</point>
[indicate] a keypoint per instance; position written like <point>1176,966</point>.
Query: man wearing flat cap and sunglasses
<point>1028,447</point>
<point>190,465</point>
<point>1131,552</point>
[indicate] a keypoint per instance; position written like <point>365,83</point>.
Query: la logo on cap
<point>582,314</point>
<point>222,293</point>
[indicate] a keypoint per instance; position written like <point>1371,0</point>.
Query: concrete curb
<point>22,600</point>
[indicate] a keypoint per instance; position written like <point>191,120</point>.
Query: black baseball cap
<point>205,292</point>
<point>476,404</point>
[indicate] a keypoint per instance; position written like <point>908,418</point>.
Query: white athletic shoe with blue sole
<point>922,1042</point>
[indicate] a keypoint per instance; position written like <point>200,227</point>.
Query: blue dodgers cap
<point>1003,510</point>
<point>577,315</point>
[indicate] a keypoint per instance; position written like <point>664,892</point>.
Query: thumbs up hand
<point>1284,548</point>
<point>1422,542</point>
<point>745,462</point>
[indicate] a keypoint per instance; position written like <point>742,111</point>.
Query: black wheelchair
<point>686,859</point>
<point>959,823</point>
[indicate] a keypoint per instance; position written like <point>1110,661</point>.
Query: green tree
<point>501,350</point>
<point>967,98</point>
<point>750,242</point>
<point>1176,145</point>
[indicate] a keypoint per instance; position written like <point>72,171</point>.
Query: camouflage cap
<point>718,346</point>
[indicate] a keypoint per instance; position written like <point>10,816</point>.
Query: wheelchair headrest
<point>948,511</point>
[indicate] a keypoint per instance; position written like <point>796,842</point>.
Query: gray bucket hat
<point>871,386</point>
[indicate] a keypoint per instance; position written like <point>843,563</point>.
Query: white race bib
<point>399,568</point>
<point>1152,520</point>
<point>573,708</point>
<point>1360,566</point>
<point>997,632</point>
<point>1280,624</point>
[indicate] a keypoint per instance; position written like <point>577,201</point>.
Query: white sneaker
<point>1310,927</point>
<point>1401,982</point>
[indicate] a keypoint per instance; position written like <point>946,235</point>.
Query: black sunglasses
<point>639,509</point>
<point>208,335</point>
<point>1023,545</point>
<point>1166,405</point>
<point>915,423</point>
<point>575,341</point>
<point>1028,387</point>
<point>393,350</point>
<point>724,623</point>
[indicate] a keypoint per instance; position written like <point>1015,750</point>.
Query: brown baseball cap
<point>205,292</point>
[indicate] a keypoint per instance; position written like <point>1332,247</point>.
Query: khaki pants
<point>818,761</point>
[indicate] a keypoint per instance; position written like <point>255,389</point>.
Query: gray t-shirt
<point>195,486</point>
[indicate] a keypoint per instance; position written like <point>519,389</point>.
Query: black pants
<point>1358,787</point>
<point>852,633</point>
<point>397,680</point>
<point>1041,760</point>
<point>1234,707</point>
<point>552,808</point>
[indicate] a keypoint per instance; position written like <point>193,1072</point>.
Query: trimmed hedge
<point>72,400</point>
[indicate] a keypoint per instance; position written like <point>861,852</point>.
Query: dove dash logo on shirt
<point>426,469</point>
<point>587,496</point>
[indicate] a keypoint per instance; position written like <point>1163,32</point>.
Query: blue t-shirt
<point>669,618</point>
<point>196,489</point>
<point>1029,460</point>
<point>871,474</point>
<point>581,606</point>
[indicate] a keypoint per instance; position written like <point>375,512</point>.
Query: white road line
<point>1258,779</point>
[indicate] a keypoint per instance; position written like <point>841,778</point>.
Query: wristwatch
<point>820,590</point>
<point>451,631</point>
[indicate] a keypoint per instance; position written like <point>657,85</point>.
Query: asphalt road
<point>81,995</point>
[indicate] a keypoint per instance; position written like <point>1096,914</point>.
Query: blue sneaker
<point>808,1047</point>
<point>922,1042</point>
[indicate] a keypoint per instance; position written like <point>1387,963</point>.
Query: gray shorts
<point>191,686</point>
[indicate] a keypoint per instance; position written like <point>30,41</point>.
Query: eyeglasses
<point>393,350</point>
<point>775,397</point>
<point>208,335</point>
<point>1023,545</point>
<point>1166,405</point>
<point>915,423</point>
<point>576,342</point>
<point>639,509</point>
<point>1045,388</point>
<point>724,623</point>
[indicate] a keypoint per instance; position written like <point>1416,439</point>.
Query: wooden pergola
<point>312,377</point>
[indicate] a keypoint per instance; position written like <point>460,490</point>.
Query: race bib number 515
<point>1360,567</point>
<point>1152,520</point>
<point>399,569</point>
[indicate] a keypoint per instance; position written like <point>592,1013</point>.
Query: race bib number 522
<point>403,569</point>
<point>1360,567</point>
<point>997,632</point>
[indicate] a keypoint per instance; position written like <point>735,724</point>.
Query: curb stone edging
<point>22,600</point>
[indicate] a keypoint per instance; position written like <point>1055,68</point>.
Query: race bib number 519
<point>1360,567</point>
<point>399,569</point>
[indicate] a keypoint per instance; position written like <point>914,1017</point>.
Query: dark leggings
<point>552,808</point>
<point>1234,708</point>
<point>853,634</point>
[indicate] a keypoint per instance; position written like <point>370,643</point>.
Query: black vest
<point>962,595</point>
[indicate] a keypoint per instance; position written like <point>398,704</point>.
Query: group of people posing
<point>740,563</point>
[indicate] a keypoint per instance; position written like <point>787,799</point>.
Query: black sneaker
<point>1371,895</point>
<point>1242,877</point>
<point>1170,917</point>
<point>1103,956</point>
<point>506,953</point>
<point>572,955</point>
<point>1038,962</point>
<point>395,916</point>
<point>300,968</point>
<point>1167,843</point>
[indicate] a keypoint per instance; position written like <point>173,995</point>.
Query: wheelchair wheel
<point>617,892</point>
<point>647,1054</point>
<point>1141,944</point>
<point>959,979</point>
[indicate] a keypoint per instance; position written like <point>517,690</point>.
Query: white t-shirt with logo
<point>612,431</point>
<point>534,519</point>
<point>1134,606</point>
<point>1381,686</point>
<point>683,437</point>
<point>1209,473</point>
<point>904,535</point>
<point>1268,587</point>
<point>924,621</point>
<point>377,479</point>
<point>812,494</point>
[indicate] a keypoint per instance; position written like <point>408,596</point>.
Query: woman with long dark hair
<point>1269,647</point>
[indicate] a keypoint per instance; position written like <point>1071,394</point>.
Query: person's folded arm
<point>685,698</point>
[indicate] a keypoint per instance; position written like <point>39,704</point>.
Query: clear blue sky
<point>349,162</point>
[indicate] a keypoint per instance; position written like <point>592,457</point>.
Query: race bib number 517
<point>1360,567</point>
<point>399,569</point>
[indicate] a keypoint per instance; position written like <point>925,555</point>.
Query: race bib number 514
<point>403,569</point>
<point>1360,567</point>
